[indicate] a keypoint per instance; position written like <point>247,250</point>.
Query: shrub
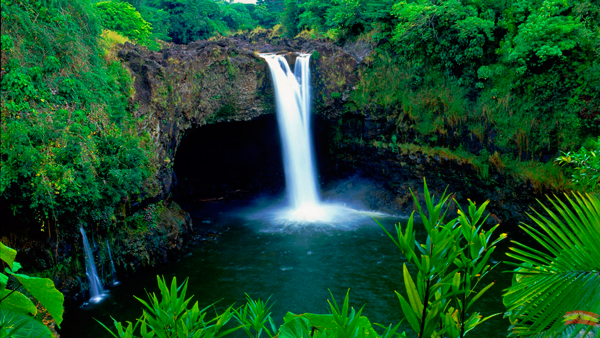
<point>450,265</point>
<point>125,19</point>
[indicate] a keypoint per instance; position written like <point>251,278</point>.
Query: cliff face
<point>208,82</point>
<point>205,82</point>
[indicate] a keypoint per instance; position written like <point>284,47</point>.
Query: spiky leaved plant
<point>556,291</point>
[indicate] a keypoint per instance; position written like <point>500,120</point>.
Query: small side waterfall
<point>96,289</point>
<point>112,265</point>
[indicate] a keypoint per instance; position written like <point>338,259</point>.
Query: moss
<point>225,111</point>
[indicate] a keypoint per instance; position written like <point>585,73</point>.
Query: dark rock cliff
<point>206,82</point>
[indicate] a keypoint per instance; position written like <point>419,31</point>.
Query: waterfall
<point>96,289</point>
<point>112,265</point>
<point>292,97</point>
<point>293,101</point>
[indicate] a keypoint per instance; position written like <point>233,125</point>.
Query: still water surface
<point>295,265</point>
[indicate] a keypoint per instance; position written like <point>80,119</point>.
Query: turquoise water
<point>294,264</point>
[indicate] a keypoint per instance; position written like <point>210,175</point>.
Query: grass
<point>110,40</point>
<point>542,176</point>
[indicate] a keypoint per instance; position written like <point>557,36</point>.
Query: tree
<point>290,20</point>
<point>125,19</point>
<point>455,36</point>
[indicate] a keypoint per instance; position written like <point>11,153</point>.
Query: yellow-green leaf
<point>16,301</point>
<point>44,291</point>
<point>409,314</point>
<point>7,254</point>
<point>3,281</point>
<point>413,294</point>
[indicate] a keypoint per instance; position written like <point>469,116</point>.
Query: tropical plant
<point>70,147</point>
<point>586,164</point>
<point>449,264</point>
<point>342,322</point>
<point>253,317</point>
<point>556,290</point>
<point>170,317</point>
<point>16,309</point>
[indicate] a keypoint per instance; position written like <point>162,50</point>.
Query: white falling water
<point>292,97</point>
<point>112,265</point>
<point>96,289</point>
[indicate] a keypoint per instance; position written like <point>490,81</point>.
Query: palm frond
<point>547,286</point>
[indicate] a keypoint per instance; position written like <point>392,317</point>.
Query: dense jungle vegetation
<point>501,82</point>
<point>513,85</point>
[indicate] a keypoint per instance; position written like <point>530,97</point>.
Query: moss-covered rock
<point>205,82</point>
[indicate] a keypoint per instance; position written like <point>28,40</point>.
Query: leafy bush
<point>70,147</point>
<point>170,317</point>
<point>450,264</point>
<point>125,19</point>
<point>586,163</point>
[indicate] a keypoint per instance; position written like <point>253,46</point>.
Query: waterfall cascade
<point>112,265</point>
<point>293,101</point>
<point>292,97</point>
<point>96,289</point>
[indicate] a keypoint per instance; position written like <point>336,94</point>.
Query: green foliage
<point>238,16</point>
<point>45,292</point>
<point>291,18</point>
<point>70,147</point>
<point>20,325</point>
<point>456,36</point>
<point>450,265</point>
<point>16,308</point>
<point>254,316</point>
<point>267,12</point>
<point>7,43</point>
<point>159,19</point>
<point>184,21</point>
<point>8,255</point>
<point>586,173</point>
<point>341,19</point>
<point>123,18</point>
<point>562,277</point>
<point>170,316</point>
<point>517,78</point>
<point>520,78</point>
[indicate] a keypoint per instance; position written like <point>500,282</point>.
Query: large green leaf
<point>297,327</point>
<point>409,313</point>
<point>44,291</point>
<point>325,324</point>
<point>17,302</point>
<point>7,254</point>
<point>3,281</point>
<point>547,286</point>
<point>19,325</point>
